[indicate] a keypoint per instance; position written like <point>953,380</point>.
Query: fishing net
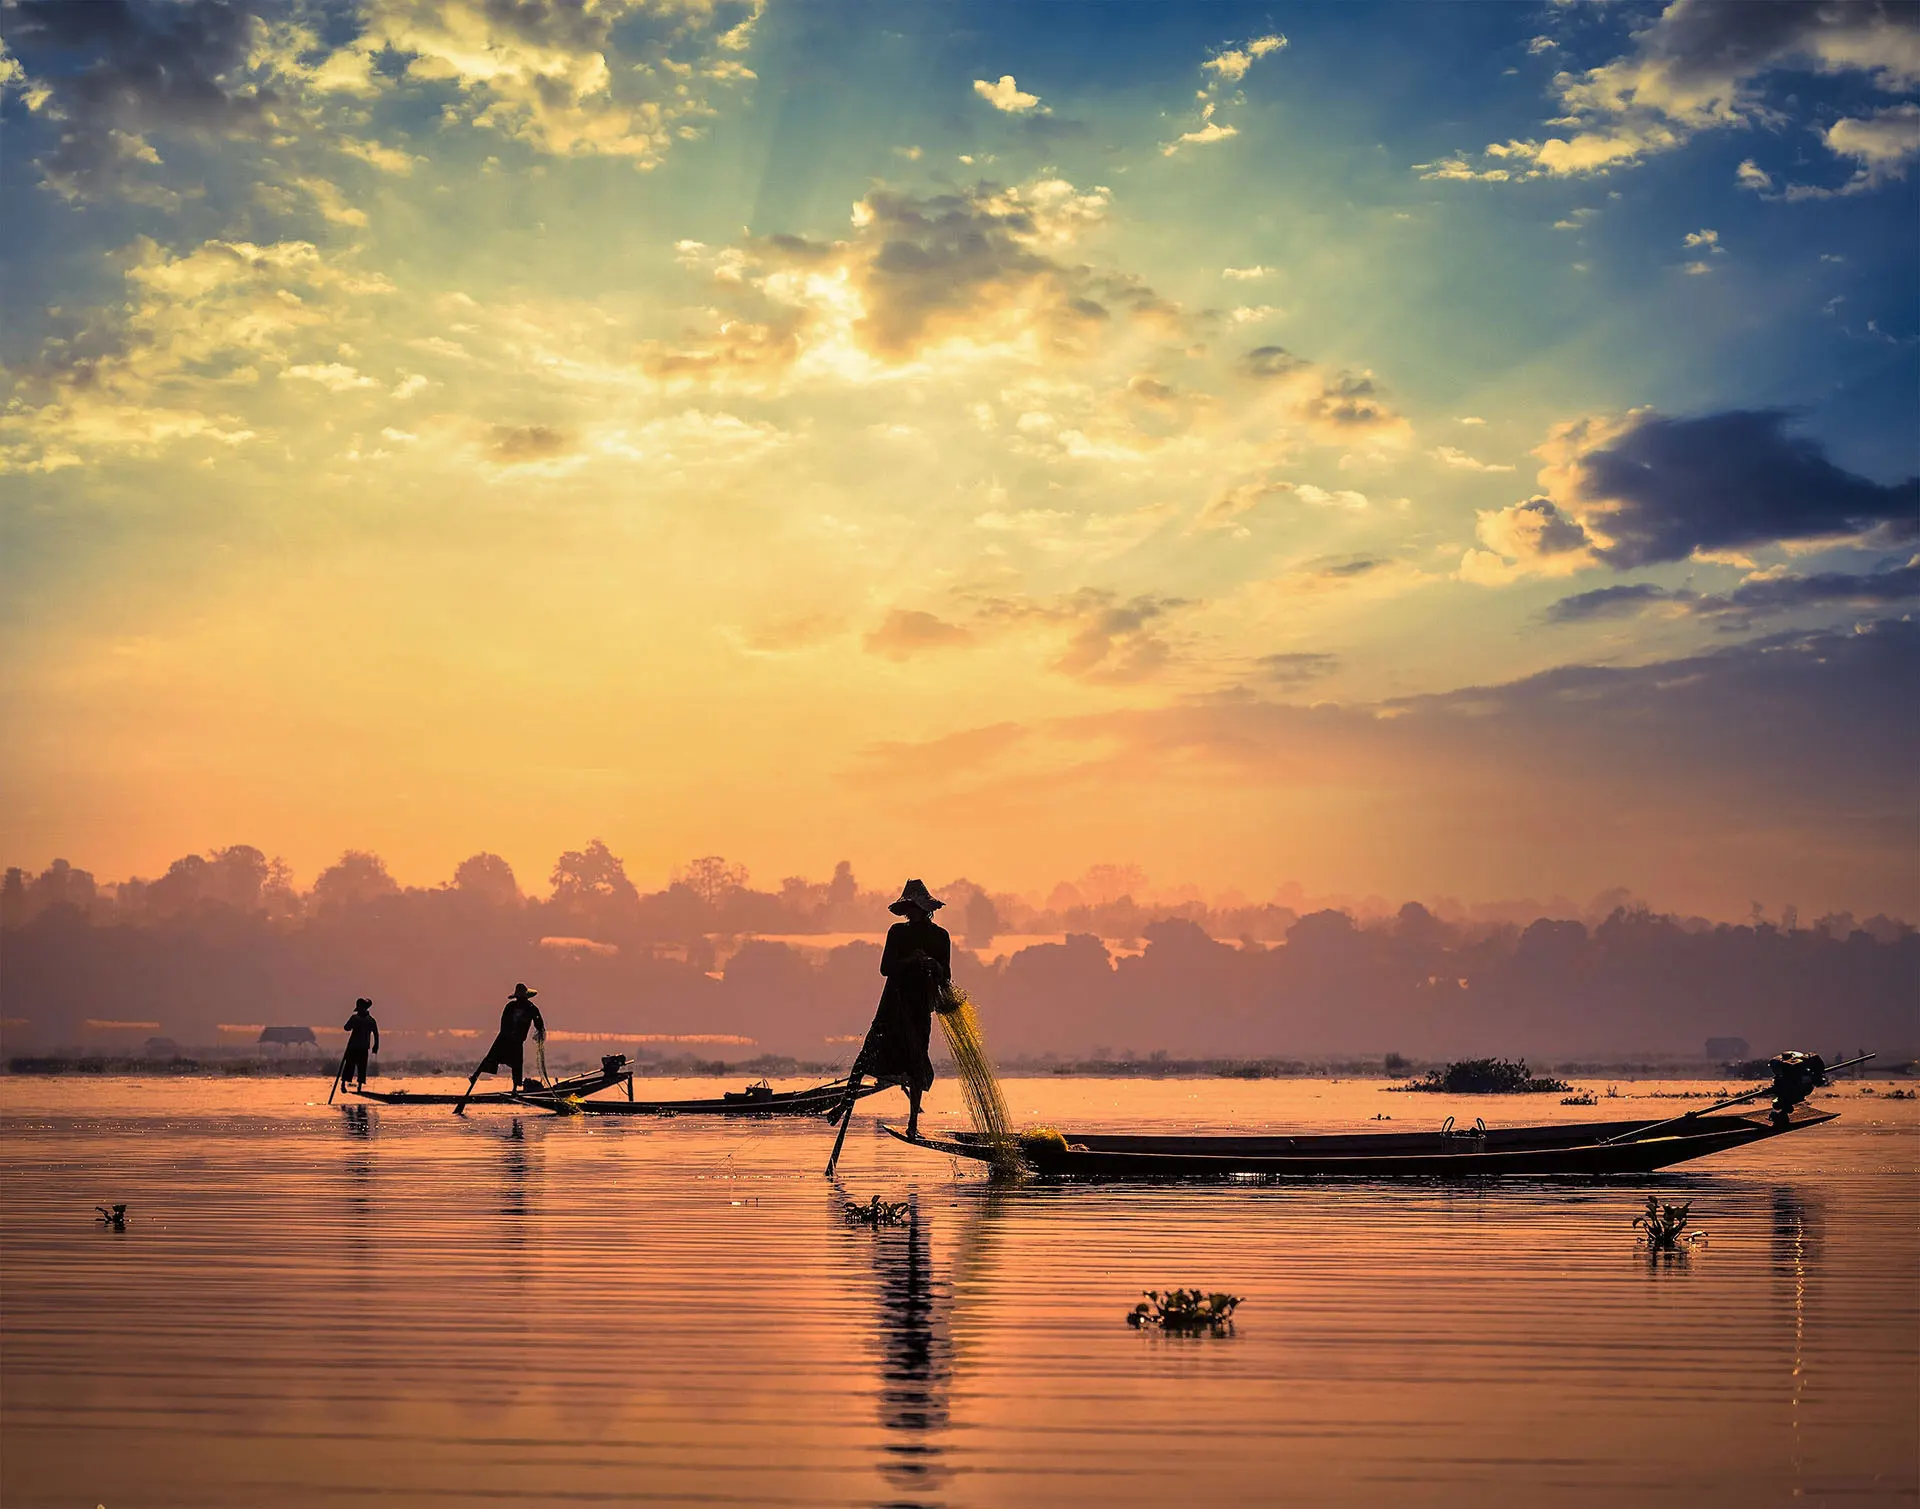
<point>985,1104</point>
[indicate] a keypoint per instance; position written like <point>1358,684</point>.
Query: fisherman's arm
<point>376,1034</point>
<point>539,1026</point>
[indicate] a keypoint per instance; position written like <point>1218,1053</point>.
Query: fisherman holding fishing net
<point>918,964</point>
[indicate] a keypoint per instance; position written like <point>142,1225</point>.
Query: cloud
<point>905,633</point>
<point>335,377</point>
<point>1205,134</point>
<point>1232,63</point>
<point>1760,595</point>
<point>977,269</point>
<point>1294,667</point>
<point>1697,67</point>
<point>1109,638</point>
<point>1623,601</point>
<point>1532,537</point>
<point>1306,492</point>
<point>519,445</point>
<point>1884,144</point>
<point>190,340</point>
<point>1006,96</point>
<point>1246,274</point>
<point>1336,407</point>
<point>113,77</point>
<point>1648,488</point>
<point>1452,456</point>
<point>1750,175</point>
<point>1235,501</point>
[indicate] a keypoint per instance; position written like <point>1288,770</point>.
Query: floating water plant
<point>985,1104</point>
<point>1580,1098</point>
<point>113,1216</point>
<point>1487,1076</point>
<point>877,1212</point>
<point>1186,1311</point>
<point>1665,1227</point>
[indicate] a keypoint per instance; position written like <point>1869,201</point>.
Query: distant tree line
<point>226,940</point>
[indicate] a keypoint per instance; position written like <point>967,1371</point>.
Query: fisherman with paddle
<point>509,1050</point>
<point>918,964</point>
<point>363,1032</point>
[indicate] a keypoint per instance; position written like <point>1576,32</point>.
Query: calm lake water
<point>314,1305</point>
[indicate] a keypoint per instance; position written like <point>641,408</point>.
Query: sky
<point>1418,449</point>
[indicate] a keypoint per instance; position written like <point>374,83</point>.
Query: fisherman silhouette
<point>918,964</point>
<point>509,1050</point>
<point>362,1032</point>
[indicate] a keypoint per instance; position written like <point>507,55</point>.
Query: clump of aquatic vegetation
<point>1899,1095</point>
<point>1580,1098</point>
<point>1664,1227</point>
<point>1188,1311</point>
<point>113,1216</point>
<point>1488,1076</point>
<point>877,1212</point>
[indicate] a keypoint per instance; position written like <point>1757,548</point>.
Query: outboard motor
<point>1795,1077</point>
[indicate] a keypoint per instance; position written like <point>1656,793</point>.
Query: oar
<point>339,1075</point>
<point>1736,1100</point>
<point>846,1119</point>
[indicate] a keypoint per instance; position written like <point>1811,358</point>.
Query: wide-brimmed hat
<point>914,894</point>
<point>520,992</point>
<point>361,1004</point>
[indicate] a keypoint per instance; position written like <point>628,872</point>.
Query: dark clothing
<point>918,964</point>
<point>509,1050</point>
<point>363,1032</point>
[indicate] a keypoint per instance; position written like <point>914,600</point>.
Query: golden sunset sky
<point>1415,450</point>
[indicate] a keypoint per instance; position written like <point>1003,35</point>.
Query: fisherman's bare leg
<point>913,1111</point>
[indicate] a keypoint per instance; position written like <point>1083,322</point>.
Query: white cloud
<point>1246,274</point>
<point>335,377</point>
<point>1320,497</point>
<point>1697,67</point>
<point>1252,314</point>
<point>1232,63</point>
<point>1005,95</point>
<point>1710,240</point>
<point>1452,456</point>
<point>1750,175</point>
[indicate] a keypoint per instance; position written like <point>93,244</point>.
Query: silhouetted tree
<point>982,920</point>
<point>487,878</point>
<point>354,880</point>
<point>712,879</point>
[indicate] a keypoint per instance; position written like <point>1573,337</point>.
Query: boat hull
<point>818,1100</point>
<point>543,1099</point>
<point>1547,1152</point>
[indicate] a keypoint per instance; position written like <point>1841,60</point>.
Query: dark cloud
<point>1297,666</point>
<point>1110,638</point>
<point>1753,598</point>
<point>1360,565</point>
<point>1668,487</point>
<point>512,445</point>
<point>1606,602</point>
<point>1780,594</point>
<point>117,71</point>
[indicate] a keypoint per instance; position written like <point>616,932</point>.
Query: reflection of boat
<point>613,1071</point>
<point>755,1100</point>
<point>1606,1147</point>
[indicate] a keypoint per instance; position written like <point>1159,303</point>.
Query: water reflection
<point>517,1166</point>
<point>916,1360</point>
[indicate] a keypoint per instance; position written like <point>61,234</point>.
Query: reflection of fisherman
<point>918,964</point>
<point>363,1032</point>
<point>509,1050</point>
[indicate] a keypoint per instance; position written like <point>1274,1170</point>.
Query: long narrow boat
<point>1583,1148</point>
<point>755,1100</point>
<point>612,1071</point>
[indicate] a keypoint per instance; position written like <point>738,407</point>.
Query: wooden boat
<point>1579,1149</point>
<point>755,1100</point>
<point>612,1071</point>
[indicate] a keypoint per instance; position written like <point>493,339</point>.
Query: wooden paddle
<point>339,1074</point>
<point>846,1119</point>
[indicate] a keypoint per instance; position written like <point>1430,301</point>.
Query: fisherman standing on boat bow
<point>509,1050</point>
<point>363,1033</point>
<point>918,964</point>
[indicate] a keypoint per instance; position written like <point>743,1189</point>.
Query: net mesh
<point>985,1104</point>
